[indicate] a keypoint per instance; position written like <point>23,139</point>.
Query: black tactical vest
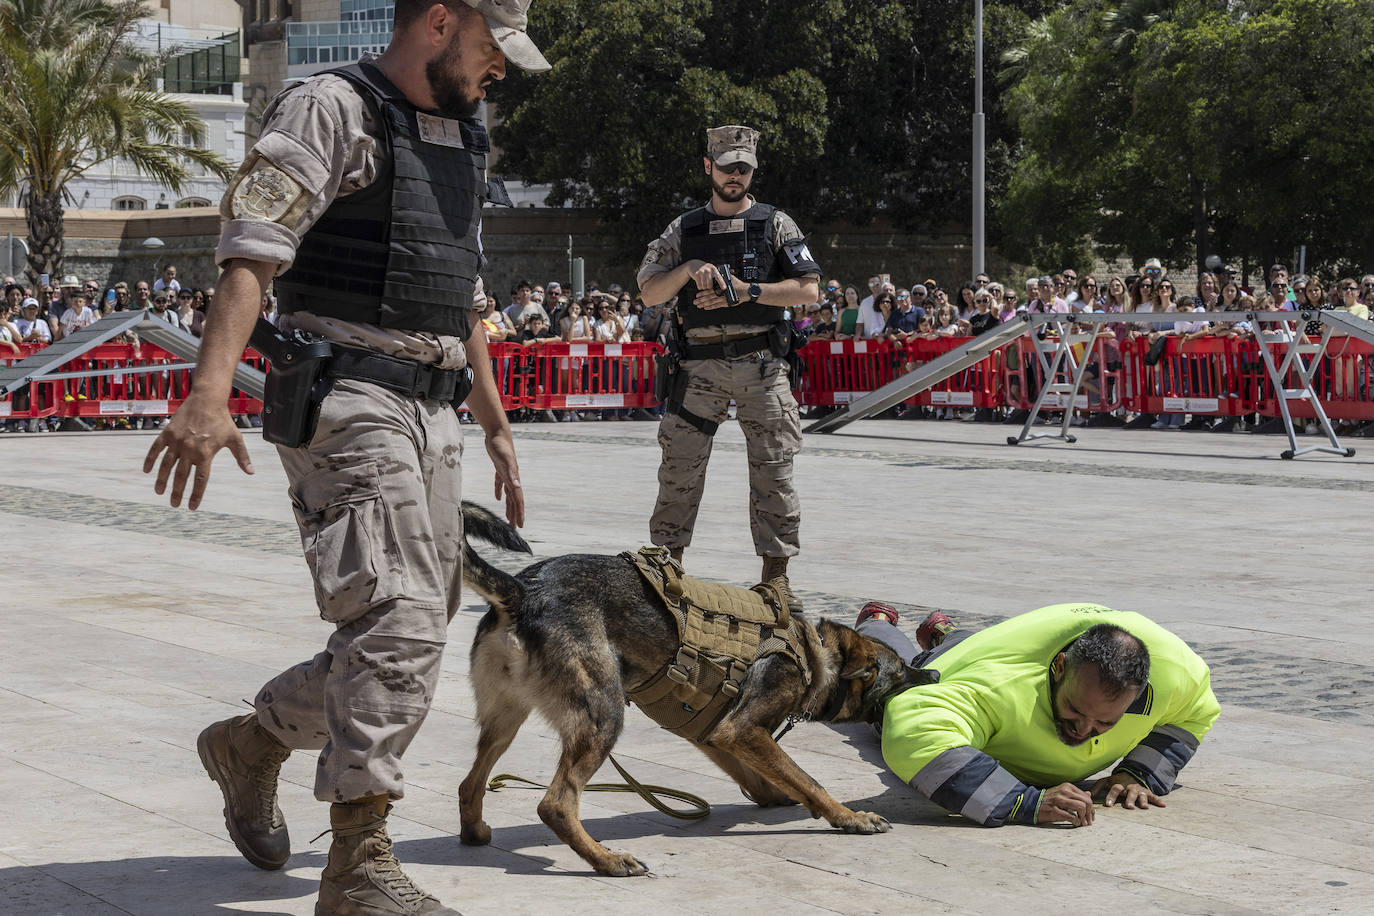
<point>745,242</point>
<point>403,252</point>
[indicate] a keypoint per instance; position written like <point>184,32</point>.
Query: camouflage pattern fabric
<point>377,498</point>
<point>771,424</point>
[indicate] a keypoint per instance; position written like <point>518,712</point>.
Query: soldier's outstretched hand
<point>191,440</point>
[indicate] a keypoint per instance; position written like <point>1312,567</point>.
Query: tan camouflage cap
<point>508,20</point>
<point>732,143</point>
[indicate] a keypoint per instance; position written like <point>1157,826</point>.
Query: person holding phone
<point>731,351</point>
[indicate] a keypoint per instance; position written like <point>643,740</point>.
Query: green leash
<point>650,794</point>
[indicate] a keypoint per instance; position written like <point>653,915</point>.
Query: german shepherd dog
<point>567,634</point>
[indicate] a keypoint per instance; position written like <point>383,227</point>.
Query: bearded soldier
<point>363,197</point>
<point>735,266</point>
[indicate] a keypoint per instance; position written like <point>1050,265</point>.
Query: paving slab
<point>130,625</point>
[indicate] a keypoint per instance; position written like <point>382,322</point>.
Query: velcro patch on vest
<point>723,226</point>
<point>440,131</point>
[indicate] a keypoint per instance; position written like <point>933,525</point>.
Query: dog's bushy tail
<point>502,590</point>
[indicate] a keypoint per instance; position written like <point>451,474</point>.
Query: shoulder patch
<point>266,193</point>
<point>797,252</point>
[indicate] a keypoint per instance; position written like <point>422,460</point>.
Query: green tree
<point>865,109</point>
<point>1176,130</point>
<point>76,91</point>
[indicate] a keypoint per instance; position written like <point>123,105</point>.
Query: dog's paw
<point>478,834</point>
<point>863,822</point>
<point>621,865</point>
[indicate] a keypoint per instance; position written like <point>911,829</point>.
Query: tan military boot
<point>363,877</point>
<point>245,758</point>
<point>676,554</point>
<point>776,568</point>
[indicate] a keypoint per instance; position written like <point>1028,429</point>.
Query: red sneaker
<point>877,609</point>
<point>934,629</point>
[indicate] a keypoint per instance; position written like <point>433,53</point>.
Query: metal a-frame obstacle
<point>44,365</point>
<point>1055,351</point>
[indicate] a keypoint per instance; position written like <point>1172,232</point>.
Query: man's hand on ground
<point>192,439</point>
<point>1124,788</point>
<point>1066,803</point>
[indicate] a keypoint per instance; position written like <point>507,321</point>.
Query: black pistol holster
<point>786,342</point>
<point>671,380</point>
<point>296,382</point>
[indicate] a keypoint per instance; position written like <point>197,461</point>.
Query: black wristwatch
<point>754,292</point>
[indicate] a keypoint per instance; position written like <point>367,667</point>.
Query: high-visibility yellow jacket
<point>982,741</point>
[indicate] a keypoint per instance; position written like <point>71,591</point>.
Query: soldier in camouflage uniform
<point>730,352</point>
<point>363,197</point>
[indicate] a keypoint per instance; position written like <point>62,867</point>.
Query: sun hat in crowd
<point>29,303</point>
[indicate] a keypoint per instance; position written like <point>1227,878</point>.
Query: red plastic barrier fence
<point>837,371</point>
<point>1104,381</point>
<point>121,394</point>
<point>1218,376</point>
<point>1211,375</point>
<point>576,376</point>
<point>977,386</point>
<point>1342,382</point>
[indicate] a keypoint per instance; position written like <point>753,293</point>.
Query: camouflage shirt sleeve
<point>664,253</point>
<point>318,142</point>
<point>796,259</point>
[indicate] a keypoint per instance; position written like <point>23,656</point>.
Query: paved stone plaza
<point>129,626</point>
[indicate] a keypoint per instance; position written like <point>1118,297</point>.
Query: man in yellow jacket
<point>1028,707</point>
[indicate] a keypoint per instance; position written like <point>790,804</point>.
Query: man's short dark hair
<point>1122,661</point>
<point>408,11</point>
<point>521,284</point>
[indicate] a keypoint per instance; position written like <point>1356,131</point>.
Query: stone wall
<point>520,244</point>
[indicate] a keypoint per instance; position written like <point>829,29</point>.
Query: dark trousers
<point>886,633</point>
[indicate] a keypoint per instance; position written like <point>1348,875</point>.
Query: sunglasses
<point>1349,289</point>
<point>1008,298</point>
<point>737,168</point>
<point>984,299</point>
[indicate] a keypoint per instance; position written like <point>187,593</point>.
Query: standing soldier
<point>364,194</point>
<point>733,343</point>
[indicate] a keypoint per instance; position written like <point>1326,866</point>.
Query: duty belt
<point>732,349</point>
<point>404,376</point>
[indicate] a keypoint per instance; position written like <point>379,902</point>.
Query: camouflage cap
<point>732,143</point>
<point>508,20</point>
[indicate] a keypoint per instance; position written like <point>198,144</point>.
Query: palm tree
<point>77,91</point>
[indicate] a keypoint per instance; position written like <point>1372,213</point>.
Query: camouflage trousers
<point>376,494</point>
<point>771,424</point>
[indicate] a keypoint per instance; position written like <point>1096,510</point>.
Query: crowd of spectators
<point>882,310</point>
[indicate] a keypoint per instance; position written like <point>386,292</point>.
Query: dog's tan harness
<point>722,630</point>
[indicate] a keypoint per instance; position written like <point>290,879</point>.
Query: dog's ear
<point>860,662</point>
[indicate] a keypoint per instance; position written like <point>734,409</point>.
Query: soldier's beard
<point>452,92</point>
<point>729,195</point>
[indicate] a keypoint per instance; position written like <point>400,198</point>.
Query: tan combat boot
<point>676,554</point>
<point>363,877</point>
<point>244,759</point>
<point>776,568</point>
